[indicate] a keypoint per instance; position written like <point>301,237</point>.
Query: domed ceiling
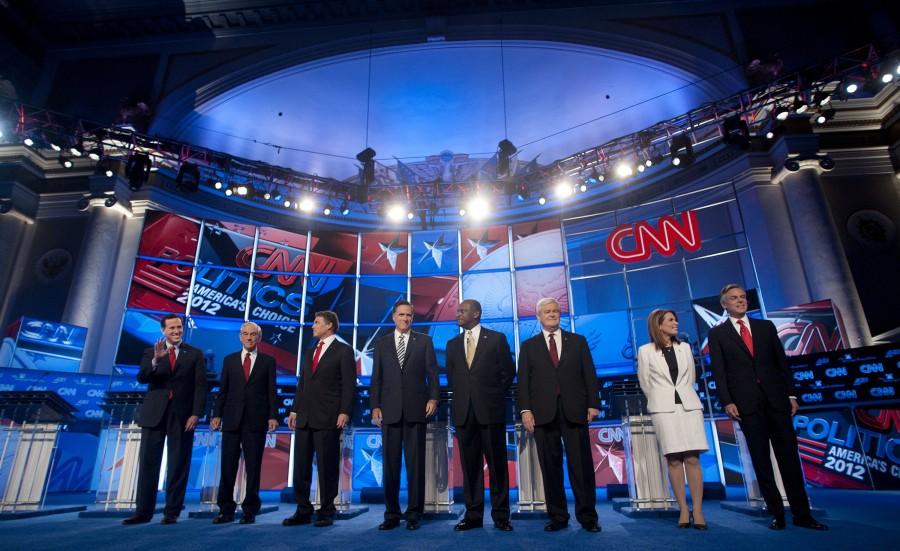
<point>409,102</point>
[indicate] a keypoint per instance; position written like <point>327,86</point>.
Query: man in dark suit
<point>247,402</point>
<point>558,396</point>
<point>175,375</point>
<point>480,369</point>
<point>404,392</point>
<point>322,406</point>
<point>754,382</point>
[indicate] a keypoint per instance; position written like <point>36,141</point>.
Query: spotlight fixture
<point>94,155</point>
<point>736,132</point>
<point>410,215</point>
<point>55,147</point>
<point>624,170</point>
<point>505,150</point>
<point>28,142</point>
<point>267,196</point>
<point>306,205</point>
<point>242,191</point>
<point>326,211</point>
<point>75,151</point>
<point>542,199</point>
<point>396,212</point>
<point>851,88</point>
<point>366,174</point>
<point>109,173</point>
<point>648,163</point>
<point>641,167</point>
<point>821,98</point>
<point>781,113</point>
<point>825,116</point>
<point>770,135</point>
<point>188,178</point>
<point>138,170</point>
<point>287,204</point>
<point>887,77</point>
<point>563,188</point>
<point>84,202</point>
<point>67,163</point>
<point>462,212</point>
<point>229,192</point>
<point>478,208</point>
<point>110,201</point>
<point>345,208</point>
<point>800,106</point>
<point>682,150</point>
<point>218,185</point>
<point>583,188</point>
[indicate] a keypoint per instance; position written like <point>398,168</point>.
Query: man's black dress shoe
<point>554,526</point>
<point>222,518</point>
<point>389,524</point>
<point>296,520</point>
<point>248,518</point>
<point>466,524</point>
<point>776,524</point>
<point>137,519</point>
<point>322,522</point>
<point>591,527</point>
<point>810,523</point>
<point>504,525</point>
<point>167,519</point>
<point>412,524</point>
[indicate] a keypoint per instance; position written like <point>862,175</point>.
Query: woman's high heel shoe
<point>697,525</point>
<point>686,524</point>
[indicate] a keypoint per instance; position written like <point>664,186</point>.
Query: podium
<point>211,474</point>
<point>31,422</point>
<point>117,487</point>
<point>528,473</point>
<point>438,470</point>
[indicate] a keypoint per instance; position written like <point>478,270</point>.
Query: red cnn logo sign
<point>669,233</point>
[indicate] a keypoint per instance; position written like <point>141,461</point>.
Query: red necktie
<point>172,358</point>
<point>246,366</point>
<point>315,362</point>
<point>746,337</point>
<point>554,352</point>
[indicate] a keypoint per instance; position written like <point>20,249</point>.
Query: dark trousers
<point>253,444</point>
<point>767,425</point>
<point>180,446</point>
<point>477,443</point>
<point>326,444</point>
<point>408,439</point>
<point>550,438</point>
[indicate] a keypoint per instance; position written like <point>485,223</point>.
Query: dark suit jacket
<point>247,404</point>
<point>403,393</point>
<point>320,398</point>
<point>736,372</point>
<point>484,385</point>
<point>575,378</point>
<point>187,385</point>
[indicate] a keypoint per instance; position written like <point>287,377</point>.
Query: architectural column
<point>824,262</point>
<point>92,281</point>
<point>18,207</point>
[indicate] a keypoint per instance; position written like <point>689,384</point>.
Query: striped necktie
<point>401,349</point>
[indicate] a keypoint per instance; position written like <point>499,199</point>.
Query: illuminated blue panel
<point>377,296</point>
<point>599,294</point>
<point>609,338</point>
<point>493,290</point>
<point>435,252</point>
<point>331,293</point>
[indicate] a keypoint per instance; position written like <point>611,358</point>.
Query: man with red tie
<point>247,403</point>
<point>175,375</point>
<point>321,409</point>
<point>558,395</point>
<point>754,383</point>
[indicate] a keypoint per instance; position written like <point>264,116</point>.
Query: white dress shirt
<point>252,353</point>
<point>734,323</point>
<point>326,342</point>
<point>557,336</point>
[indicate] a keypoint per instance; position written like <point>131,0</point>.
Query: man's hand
<point>376,417</point>
<point>159,350</point>
<point>191,423</point>
<point>215,423</point>
<point>343,420</point>
<point>273,425</point>
<point>733,412</point>
<point>592,414</point>
<point>528,421</point>
<point>430,408</point>
<point>292,421</point>
<point>794,406</point>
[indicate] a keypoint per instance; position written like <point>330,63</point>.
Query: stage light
<point>242,191</point>
<point>229,192</point>
<point>851,88</point>
<point>218,185</point>
<point>410,215</point>
<point>825,116</point>
<point>682,150</point>
<point>542,199</point>
<point>306,205</point>
<point>267,196</point>
<point>800,106</point>
<point>326,211</point>
<point>93,156</point>
<point>826,163</point>
<point>110,201</point>
<point>641,168</point>
<point>648,163</point>
<point>188,178</point>
<point>821,98</point>
<point>770,135</point>
<point>781,113</point>
<point>75,151</point>
<point>55,147</point>
<point>287,204</point>
<point>583,187</point>
<point>65,162</point>
<point>887,77</point>
<point>563,188</point>
<point>138,170</point>
<point>396,212</point>
<point>624,170</point>
<point>736,132</point>
<point>462,212</point>
<point>28,142</point>
<point>367,173</point>
<point>478,208</point>
<point>505,150</point>
<point>345,208</point>
<point>84,202</point>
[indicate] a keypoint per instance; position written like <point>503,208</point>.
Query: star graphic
<point>436,250</point>
<point>391,251</point>
<point>482,245</point>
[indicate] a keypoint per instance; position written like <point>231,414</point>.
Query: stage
<point>855,517</point>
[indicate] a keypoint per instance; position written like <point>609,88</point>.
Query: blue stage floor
<point>858,520</point>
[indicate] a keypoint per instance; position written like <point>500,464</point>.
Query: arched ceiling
<point>418,100</point>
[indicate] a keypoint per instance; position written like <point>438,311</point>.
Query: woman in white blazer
<point>667,374</point>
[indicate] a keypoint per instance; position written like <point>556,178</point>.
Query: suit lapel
<point>324,355</point>
<point>732,333</point>
<point>410,343</point>
<point>479,348</point>
<point>566,344</point>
